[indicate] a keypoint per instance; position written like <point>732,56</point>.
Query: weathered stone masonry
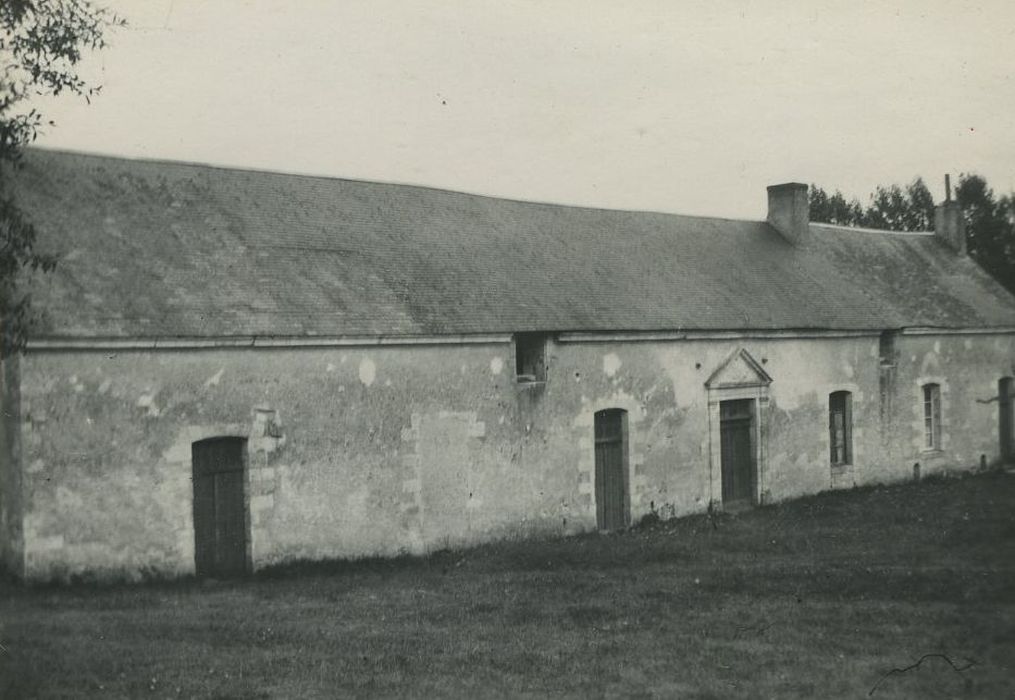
<point>235,369</point>
<point>355,451</point>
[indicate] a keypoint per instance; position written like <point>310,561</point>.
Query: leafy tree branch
<point>41,45</point>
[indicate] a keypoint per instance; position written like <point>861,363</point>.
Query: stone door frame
<point>740,376</point>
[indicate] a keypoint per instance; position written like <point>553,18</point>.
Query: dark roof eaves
<point>253,339</point>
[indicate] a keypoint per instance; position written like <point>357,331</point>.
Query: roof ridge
<point>364,181</point>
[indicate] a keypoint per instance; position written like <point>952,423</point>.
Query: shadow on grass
<point>829,520</point>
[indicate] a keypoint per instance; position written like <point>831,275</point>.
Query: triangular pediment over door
<point>737,370</point>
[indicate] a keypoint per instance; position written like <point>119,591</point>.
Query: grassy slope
<point>819,597</point>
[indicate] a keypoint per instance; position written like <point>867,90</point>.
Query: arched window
<point>840,427</point>
<point>932,416</point>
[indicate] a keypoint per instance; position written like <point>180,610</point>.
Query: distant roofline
<point>335,178</point>
<point>862,229</point>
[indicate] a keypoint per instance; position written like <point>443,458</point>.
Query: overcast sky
<point>690,107</point>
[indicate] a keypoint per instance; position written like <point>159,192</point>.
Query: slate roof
<point>157,249</point>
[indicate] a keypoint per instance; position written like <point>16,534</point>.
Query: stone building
<point>237,369</point>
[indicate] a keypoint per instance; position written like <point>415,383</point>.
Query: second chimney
<point>789,211</point>
<point>949,224</point>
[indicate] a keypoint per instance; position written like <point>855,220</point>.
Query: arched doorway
<point>1006,415</point>
<point>220,517</point>
<point>612,509</point>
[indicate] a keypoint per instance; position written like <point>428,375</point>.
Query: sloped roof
<point>156,249</point>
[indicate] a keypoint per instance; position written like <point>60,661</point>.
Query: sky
<point>687,107</point>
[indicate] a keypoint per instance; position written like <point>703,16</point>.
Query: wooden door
<point>736,430</point>
<point>611,486</point>
<point>220,542</point>
<point>1006,414</point>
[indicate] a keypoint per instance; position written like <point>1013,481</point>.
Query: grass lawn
<point>819,597</point>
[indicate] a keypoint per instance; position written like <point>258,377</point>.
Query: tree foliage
<point>41,44</point>
<point>897,209</point>
<point>834,209</point>
<point>990,220</point>
<point>891,207</point>
<point>990,227</point>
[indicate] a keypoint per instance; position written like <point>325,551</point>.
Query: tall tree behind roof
<point>896,209</point>
<point>990,227</point>
<point>834,209</point>
<point>41,44</point>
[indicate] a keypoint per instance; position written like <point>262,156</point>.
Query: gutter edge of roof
<point>126,342</point>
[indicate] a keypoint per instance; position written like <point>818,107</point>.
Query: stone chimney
<point>789,211</point>
<point>949,224</point>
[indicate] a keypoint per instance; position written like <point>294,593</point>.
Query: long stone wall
<point>367,451</point>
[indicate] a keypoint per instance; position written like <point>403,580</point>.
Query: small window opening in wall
<point>840,427</point>
<point>932,416</point>
<point>530,357</point>
<point>886,348</point>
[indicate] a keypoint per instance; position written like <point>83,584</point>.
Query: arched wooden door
<point>220,519</point>
<point>611,472</point>
<point>1006,414</point>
